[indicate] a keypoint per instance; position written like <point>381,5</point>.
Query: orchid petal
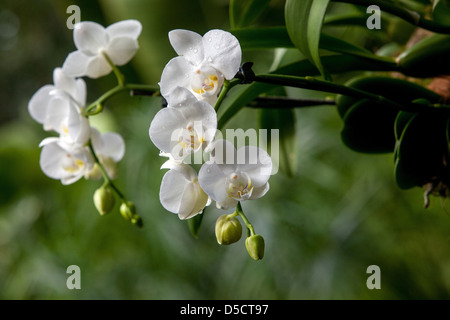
<point>172,188</point>
<point>113,146</point>
<point>258,192</point>
<point>76,64</point>
<point>188,44</point>
<point>50,159</point>
<point>97,67</point>
<point>181,97</point>
<point>38,105</point>
<point>78,126</point>
<point>177,73</point>
<point>256,163</point>
<point>193,201</point>
<point>213,181</point>
<point>127,28</point>
<point>121,50</point>
<point>90,37</point>
<point>228,203</point>
<point>223,52</point>
<point>163,126</point>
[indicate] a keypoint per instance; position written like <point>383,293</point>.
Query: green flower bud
<point>127,210</point>
<point>228,229</point>
<point>255,246</point>
<point>104,200</point>
<point>137,221</point>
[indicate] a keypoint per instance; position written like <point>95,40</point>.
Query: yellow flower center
<point>206,82</point>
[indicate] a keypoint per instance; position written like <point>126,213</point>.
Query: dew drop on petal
<point>195,50</point>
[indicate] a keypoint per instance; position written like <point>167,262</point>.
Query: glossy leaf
<point>304,25</point>
<point>278,37</point>
<point>441,12</point>
<point>368,127</point>
<point>371,126</point>
<point>422,153</point>
<point>194,224</point>
<point>427,58</point>
<point>239,97</point>
<point>398,90</point>
<point>245,12</point>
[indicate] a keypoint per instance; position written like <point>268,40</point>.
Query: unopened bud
<point>228,229</point>
<point>104,200</point>
<point>127,210</point>
<point>137,221</point>
<point>255,246</point>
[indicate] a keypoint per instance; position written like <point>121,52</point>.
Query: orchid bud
<point>104,200</point>
<point>255,246</point>
<point>127,210</point>
<point>228,229</point>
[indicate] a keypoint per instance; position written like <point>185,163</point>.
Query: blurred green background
<point>339,214</point>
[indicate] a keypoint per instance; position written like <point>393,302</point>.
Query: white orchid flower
<point>97,44</point>
<point>231,176</point>
<point>181,193</point>
<point>110,149</point>
<point>185,126</point>
<point>59,107</point>
<point>203,63</point>
<point>65,162</point>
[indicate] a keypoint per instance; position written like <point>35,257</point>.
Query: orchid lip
<point>239,186</point>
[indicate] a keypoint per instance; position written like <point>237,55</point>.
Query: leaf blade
<point>304,25</point>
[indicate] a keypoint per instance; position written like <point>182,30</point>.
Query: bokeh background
<point>340,213</point>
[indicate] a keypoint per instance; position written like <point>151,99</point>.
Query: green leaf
<point>368,127</point>
<point>441,12</point>
<point>284,120</point>
<point>278,37</point>
<point>304,24</point>
<point>422,153</point>
<point>331,43</point>
<point>245,12</point>
<point>427,58</point>
<point>234,10</point>
<point>371,126</point>
<point>194,224</point>
<point>263,38</point>
<point>401,122</point>
<point>398,90</point>
<point>242,95</point>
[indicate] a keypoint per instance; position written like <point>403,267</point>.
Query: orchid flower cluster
<point>193,84</point>
<point>80,150</point>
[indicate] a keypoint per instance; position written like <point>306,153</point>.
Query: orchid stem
<point>264,102</point>
<point>327,86</point>
<point>227,85</point>
<point>250,230</point>
<point>106,178</point>
<point>93,108</point>
<point>119,75</point>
